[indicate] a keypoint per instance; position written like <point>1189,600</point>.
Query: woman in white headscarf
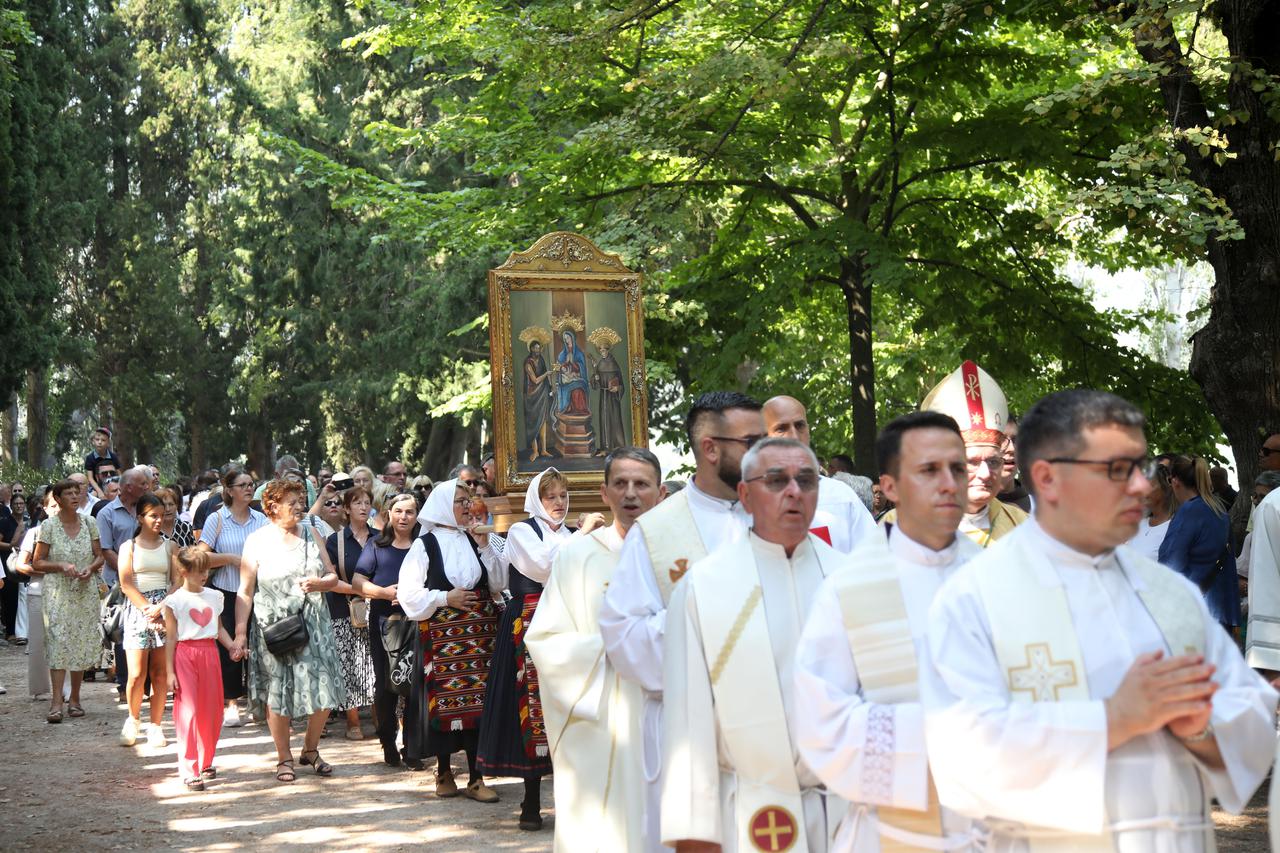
<point>532,544</point>
<point>449,581</point>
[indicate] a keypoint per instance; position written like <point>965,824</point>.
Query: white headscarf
<point>460,564</point>
<point>533,503</point>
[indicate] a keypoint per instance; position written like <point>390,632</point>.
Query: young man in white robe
<point>592,713</point>
<point>842,519</point>
<point>1078,695</point>
<point>661,546</point>
<point>858,720</point>
<point>732,778</point>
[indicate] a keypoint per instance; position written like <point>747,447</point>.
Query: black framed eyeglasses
<point>749,441</point>
<point>331,503</point>
<point>1267,451</point>
<point>777,481</point>
<point>1119,470</point>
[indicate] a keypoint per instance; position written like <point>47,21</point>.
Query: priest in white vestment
<point>592,713</point>
<point>661,546</point>
<point>1262,647</point>
<point>857,725</point>
<point>733,778</point>
<point>1078,695</point>
<point>842,520</point>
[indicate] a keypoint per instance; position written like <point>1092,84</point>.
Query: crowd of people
<point>1026,631</point>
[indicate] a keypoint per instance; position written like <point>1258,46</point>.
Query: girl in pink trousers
<point>192,627</point>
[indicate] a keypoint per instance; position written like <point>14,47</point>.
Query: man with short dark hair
<point>841,462</point>
<point>853,710</point>
<point>663,543</point>
<point>1269,454</point>
<point>842,518</point>
<point>1222,486</point>
<point>1076,688</point>
<point>394,474</point>
<point>732,775</point>
<point>589,710</point>
<point>490,470</point>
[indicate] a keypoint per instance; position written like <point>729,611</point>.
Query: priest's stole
<point>533,726</point>
<point>457,647</point>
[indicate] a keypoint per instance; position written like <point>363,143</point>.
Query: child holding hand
<point>192,624</point>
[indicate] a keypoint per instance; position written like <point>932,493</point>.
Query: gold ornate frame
<point>560,260</point>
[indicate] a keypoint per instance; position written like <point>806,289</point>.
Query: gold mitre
<point>976,402</point>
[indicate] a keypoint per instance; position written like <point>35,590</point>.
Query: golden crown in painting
<point>604,338</point>
<point>535,333</point>
<point>567,320</point>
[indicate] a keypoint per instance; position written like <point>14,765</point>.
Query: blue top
<point>1197,537</point>
<point>381,565</point>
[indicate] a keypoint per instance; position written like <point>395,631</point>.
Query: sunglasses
<point>330,504</point>
<point>777,481</point>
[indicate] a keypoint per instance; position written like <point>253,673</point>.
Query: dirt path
<point>70,786</point>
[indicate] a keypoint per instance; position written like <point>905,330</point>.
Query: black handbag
<point>111,617</point>
<point>397,638</point>
<point>286,636</point>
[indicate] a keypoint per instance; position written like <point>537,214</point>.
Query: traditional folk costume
<point>454,647</point>
<point>1025,644</point>
<point>978,405</point>
<point>858,720</point>
<point>592,713</point>
<point>729,673</point>
<point>513,740</point>
<point>842,519</point>
<point>657,552</point>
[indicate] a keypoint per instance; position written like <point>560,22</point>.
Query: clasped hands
<point>1161,692</point>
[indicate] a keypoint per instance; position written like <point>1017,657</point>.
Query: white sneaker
<point>2,690</point>
<point>129,733</point>
<point>155,736</point>
<point>231,718</point>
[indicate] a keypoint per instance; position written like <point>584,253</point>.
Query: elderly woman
<point>450,578</point>
<point>223,536</point>
<point>512,743</point>
<point>283,571</point>
<point>174,528</point>
<point>68,556</point>
<point>344,548</point>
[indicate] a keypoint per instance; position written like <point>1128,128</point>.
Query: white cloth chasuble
<point>633,615</point>
<point>868,753</point>
<point>732,774</point>
<point>592,714</point>
<point>1262,648</point>
<point>1041,768</point>
<point>841,516</point>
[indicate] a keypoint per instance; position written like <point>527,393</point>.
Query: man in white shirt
<point>592,713</point>
<point>1076,693</point>
<point>858,720</point>
<point>660,547</point>
<point>842,519</point>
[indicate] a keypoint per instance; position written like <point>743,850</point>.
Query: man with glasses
<point>663,543</point>
<point>117,522</point>
<point>842,519</point>
<point>975,401</point>
<point>1074,689</point>
<point>394,474</point>
<point>732,775</point>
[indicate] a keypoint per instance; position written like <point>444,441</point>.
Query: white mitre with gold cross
<point>976,402</point>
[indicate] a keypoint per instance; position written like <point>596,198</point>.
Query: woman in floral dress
<point>68,557</point>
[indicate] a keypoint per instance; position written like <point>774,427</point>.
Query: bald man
<point>842,519</point>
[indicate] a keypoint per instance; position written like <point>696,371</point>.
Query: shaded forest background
<point>235,228</point>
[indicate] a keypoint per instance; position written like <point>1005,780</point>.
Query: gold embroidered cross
<point>1042,676</point>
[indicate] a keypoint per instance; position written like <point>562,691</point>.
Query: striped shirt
<point>225,535</point>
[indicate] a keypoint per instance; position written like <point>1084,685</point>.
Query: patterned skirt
<point>139,631</point>
<point>512,732</point>
<point>357,664</point>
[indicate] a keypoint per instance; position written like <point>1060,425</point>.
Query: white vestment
<point>703,793</point>
<point>592,713</point>
<point>1037,768</point>
<point>867,753</point>
<point>633,615</point>
<point>1262,648</point>
<point>842,516</point>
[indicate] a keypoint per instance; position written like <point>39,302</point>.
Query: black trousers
<point>9,603</point>
<point>232,670</point>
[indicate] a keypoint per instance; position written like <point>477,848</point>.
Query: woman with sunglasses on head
<point>223,537</point>
<point>1198,544</point>
<point>350,634</point>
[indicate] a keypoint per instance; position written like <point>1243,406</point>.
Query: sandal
<point>323,768</point>
<point>195,784</point>
<point>284,771</point>
<point>75,711</point>
<point>54,716</point>
<point>209,773</point>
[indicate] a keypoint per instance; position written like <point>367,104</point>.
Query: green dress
<point>310,679</point>
<point>71,637</point>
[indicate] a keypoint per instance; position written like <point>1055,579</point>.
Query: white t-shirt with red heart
<point>197,613</point>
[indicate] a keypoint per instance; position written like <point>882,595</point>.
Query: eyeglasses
<point>470,484</point>
<point>993,463</point>
<point>748,440</point>
<point>330,504</point>
<point>1119,470</point>
<point>1267,451</point>
<point>776,481</point>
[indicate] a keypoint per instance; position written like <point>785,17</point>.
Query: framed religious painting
<point>566,337</point>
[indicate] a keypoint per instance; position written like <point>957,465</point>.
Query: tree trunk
<point>9,430</point>
<point>38,419</point>
<point>862,371</point>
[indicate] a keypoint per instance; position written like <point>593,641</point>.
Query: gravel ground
<point>70,786</point>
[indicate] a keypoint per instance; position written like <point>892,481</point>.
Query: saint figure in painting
<point>607,377</point>
<point>537,401</point>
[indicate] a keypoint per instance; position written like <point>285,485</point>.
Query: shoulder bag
<point>111,617</point>
<point>358,605</point>
<point>288,635</point>
<point>398,634</point>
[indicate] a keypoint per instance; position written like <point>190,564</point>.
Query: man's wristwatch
<point>1202,735</point>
